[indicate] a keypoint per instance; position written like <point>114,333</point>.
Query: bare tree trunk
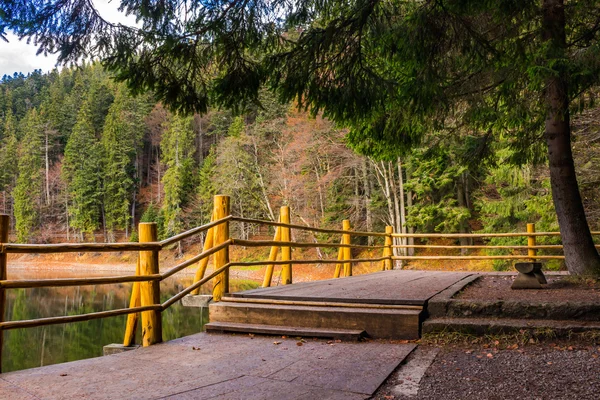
<point>402,206</point>
<point>261,182</point>
<point>47,160</point>
<point>409,204</point>
<point>581,256</point>
<point>461,197</point>
<point>367,200</point>
<point>158,177</point>
<point>397,219</point>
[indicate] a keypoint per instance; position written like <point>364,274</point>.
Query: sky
<point>19,56</point>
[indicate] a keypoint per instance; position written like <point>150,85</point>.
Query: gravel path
<point>545,371</point>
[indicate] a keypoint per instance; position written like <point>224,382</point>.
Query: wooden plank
<point>396,287</point>
<point>378,323</point>
<point>292,331</point>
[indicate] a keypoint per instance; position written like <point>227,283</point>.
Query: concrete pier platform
<point>223,366</point>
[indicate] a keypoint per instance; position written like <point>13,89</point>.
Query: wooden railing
<point>145,296</point>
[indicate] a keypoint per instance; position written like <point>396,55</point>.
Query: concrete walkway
<point>208,366</point>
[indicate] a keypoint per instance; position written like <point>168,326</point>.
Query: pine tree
<point>28,190</point>
<point>8,158</point>
<point>82,172</point>
<point>177,148</point>
<point>121,139</point>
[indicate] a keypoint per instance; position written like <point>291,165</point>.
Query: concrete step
<point>293,331</point>
<point>386,322</point>
<point>483,326</point>
<point>457,308</point>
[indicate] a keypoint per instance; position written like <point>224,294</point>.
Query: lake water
<point>52,344</point>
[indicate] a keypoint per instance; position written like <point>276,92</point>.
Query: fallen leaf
<point>276,342</point>
<point>570,348</point>
<point>549,363</point>
<point>63,374</point>
<point>490,355</point>
<point>299,344</point>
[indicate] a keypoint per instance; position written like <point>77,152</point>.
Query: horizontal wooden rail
<point>30,323</point>
<point>195,259</point>
<point>78,247</point>
<point>499,257</point>
<point>308,228</point>
<point>278,243</point>
<point>424,246</point>
<point>353,260</point>
<point>192,287</point>
<point>194,231</point>
<point>37,283</point>
<point>477,235</point>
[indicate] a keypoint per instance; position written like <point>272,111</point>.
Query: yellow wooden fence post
<point>4,228</point>
<point>531,242</point>
<point>132,319</point>
<point>272,257</point>
<point>387,250</point>
<point>347,250</point>
<point>286,251</point>
<point>208,244</point>
<point>338,267</point>
<point>221,258</point>
<point>149,291</point>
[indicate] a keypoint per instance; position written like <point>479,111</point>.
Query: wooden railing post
<point>387,250</point>
<point>132,319</point>
<point>531,242</point>
<point>272,257</point>
<point>221,258</point>
<point>149,291</point>
<point>286,251</point>
<point>203,264</point>
<point>338,267</point>
<point>347,250</point>
<point>4,228</point>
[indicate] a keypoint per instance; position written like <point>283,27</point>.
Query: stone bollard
<point>530,276</point>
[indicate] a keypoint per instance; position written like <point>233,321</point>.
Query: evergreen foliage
<point>82,169</point>
<point>27,192</point>
<point>177,148</point>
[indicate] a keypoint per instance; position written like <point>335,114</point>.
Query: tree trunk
<point>367,200</point>
<point>581,256</point>
<point>409,204</point>
<point>461,197</point>
<point>402,206</point>
<point>47,162</point>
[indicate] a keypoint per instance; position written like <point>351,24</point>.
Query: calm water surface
<point>34,347</point>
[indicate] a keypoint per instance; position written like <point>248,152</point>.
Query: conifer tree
<point>121,139</point>
<point>8,158</point>
<point>82,173</point>
<point>177,148</point>
<point>28,190</point>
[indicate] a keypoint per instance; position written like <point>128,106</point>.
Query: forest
<point>82,159</point>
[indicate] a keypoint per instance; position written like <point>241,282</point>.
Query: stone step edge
<point>514,309</point>
<point>482,326</point>
<point>343,334</point>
